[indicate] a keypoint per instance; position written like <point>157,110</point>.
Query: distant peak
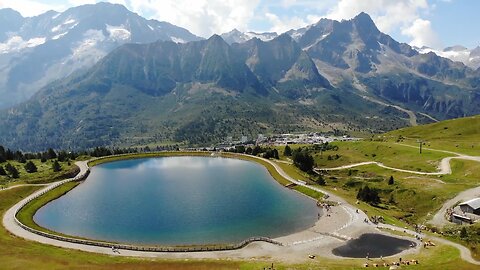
<point>234,31</point>
<point>284,38</point>
<point>364,23</point>
<point>215,37</point>
<point>363,18</point>
<point>363,15</point>
<point>455,48</point>
<point>9,12</point>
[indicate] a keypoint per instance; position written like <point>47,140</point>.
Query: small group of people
<point>325,206</point>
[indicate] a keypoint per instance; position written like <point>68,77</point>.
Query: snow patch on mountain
<point>262,36</point>
<point>59,36</point>
<point>16,44</point>
<point>118,33</point>
<point>455,53</point>
<point>64,24</point>
<point>91,39</point>
<point>178,40</point>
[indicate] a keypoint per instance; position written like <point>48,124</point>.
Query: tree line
<point>8,156</point>
<point>257,150</point>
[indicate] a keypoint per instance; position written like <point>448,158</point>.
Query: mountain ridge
<point>336,76</point>
<point>50,46</point>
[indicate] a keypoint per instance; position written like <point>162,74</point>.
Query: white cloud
<point>422,34</point>
<point>392,15</point>
<point>30,8</point>
<point>281,25</point>
<point>17,44</point>
<point>387,14</point>
<point>206,17</point>
<point>202,17</point>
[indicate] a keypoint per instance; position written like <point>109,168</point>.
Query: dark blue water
<point>374,246</point>
<point>178,200</point>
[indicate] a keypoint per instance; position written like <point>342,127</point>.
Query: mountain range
<point>330,76</point>
<point>37,50</point>
<point>470,57</point>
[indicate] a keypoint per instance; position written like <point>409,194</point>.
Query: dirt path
<point>443,168</point>
<point>21,185</point>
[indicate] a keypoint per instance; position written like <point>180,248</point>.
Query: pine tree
<point>368,195</point>
<point>12,170</point>
<point>2,171</point>
<point>51,154</point>
<point>391,181</point>
<point>303,161</point>
<point>321,180</point>
<point>275,154</point>
<point>2,154</point>
<point>288,151</point>
<point>56,166</point>
<point>30,167</point>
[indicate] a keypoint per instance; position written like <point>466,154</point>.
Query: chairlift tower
<point>420,145</point>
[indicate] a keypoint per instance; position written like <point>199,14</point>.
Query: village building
<point>472,206</point>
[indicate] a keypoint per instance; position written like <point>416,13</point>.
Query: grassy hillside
<point>45,173</point>
<point>459,135</point>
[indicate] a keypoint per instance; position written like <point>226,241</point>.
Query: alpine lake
<point>181,200</point>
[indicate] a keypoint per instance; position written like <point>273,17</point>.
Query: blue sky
<point>434,23</point>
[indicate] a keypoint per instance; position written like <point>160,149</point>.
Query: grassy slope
<point>458,135</point>
<point>393,155</point>
<point>44,174</point>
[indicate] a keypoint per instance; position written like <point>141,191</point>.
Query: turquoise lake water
<point>177,201</point>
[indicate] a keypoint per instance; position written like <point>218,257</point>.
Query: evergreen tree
<point>288,151</point>
<point>62,156</point>
<point>9,155</point>
<point>2,171</point>
<point>13,172</point>
<point>303,161</point>
<point>275,154</point>
<point>30,167</point>
<point>321,180</point>
<point>256,150</point>
<point>51,154</point>
<point>2,154</point>
<point>391,181</point>
<point>368,195</point>
<point>56,166</point>
<point>239,149</point>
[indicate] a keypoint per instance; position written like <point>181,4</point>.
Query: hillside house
<point>472,206</point>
